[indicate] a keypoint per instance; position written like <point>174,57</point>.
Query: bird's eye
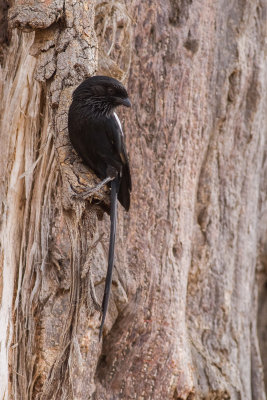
<point>110,90</point>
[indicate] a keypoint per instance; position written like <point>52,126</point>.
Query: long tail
<point>113,222</point>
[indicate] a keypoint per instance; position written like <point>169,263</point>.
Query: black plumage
<point>95,131</point>
<point>96,134</point>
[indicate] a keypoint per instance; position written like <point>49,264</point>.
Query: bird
<point>96,134</point>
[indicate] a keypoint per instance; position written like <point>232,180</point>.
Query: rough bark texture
<point>191,253</point>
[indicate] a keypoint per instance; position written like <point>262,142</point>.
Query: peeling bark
<point>191,253</point>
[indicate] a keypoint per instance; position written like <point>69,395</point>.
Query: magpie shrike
<point>96,134</point>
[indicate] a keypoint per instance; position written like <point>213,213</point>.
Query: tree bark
<point>183,319</point>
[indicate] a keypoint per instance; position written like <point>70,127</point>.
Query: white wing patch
<point>119,122</point>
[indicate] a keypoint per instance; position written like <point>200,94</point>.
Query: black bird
<point>96,135</point>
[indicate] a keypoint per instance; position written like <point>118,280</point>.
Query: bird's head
<point>102,93</point>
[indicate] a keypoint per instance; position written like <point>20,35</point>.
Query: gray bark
<point>183,320</point>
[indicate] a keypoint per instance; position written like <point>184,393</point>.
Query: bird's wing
<point>116,136</point>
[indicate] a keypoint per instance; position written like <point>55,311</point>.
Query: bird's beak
<point>126,102</point>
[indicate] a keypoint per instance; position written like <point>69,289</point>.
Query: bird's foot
<point>87,192</point>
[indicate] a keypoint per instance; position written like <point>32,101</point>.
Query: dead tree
<point>183,316</point>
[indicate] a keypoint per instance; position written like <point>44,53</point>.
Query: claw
<point>90,191</point>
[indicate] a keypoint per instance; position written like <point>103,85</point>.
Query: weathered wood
<point>182,321</point>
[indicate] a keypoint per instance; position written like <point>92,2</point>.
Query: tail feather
<point>115,184</point>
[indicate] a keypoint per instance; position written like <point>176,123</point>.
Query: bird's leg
<point>87,192</point>
<point>111,174</point>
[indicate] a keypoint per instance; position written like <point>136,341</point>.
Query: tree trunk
<point>183,318</point>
